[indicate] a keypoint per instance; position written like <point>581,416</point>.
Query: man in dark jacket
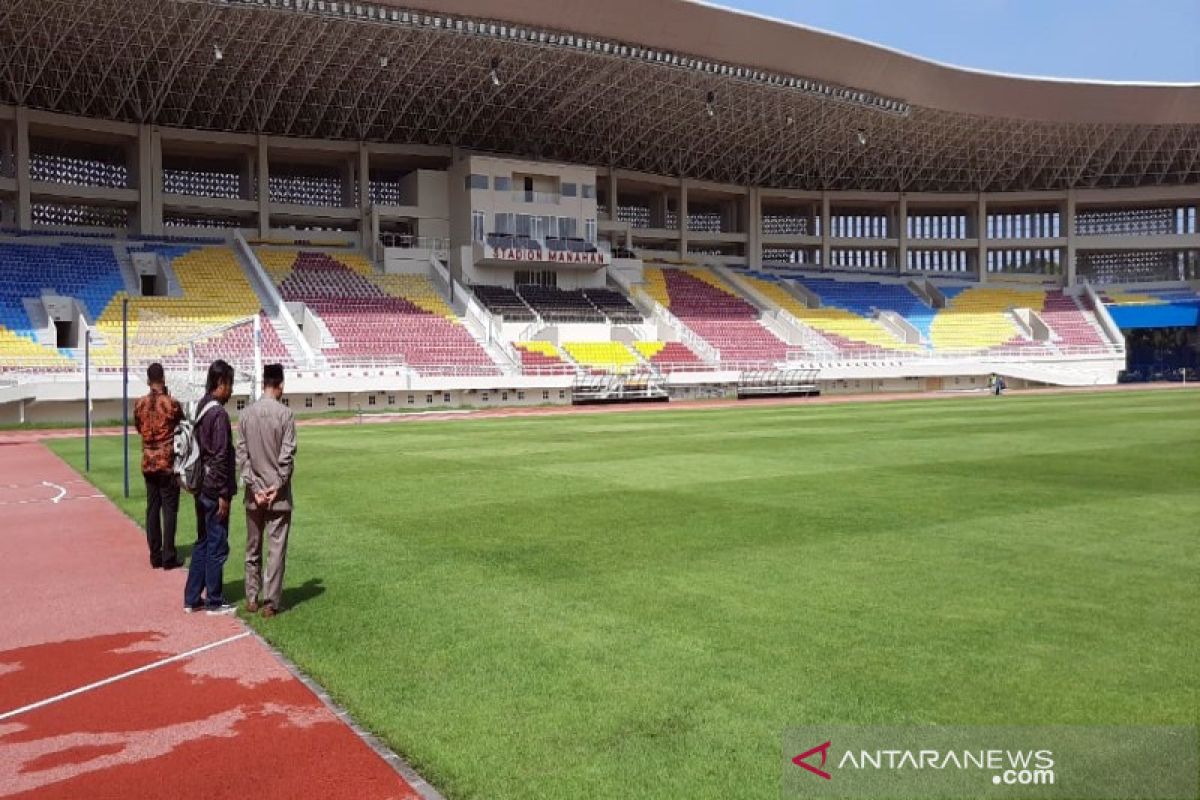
<point>218,486</point>
<point>155,415</point>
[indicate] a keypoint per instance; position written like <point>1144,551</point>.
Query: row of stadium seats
<point>716,313</point>
<point>89,273</point>
<point>545,358</point>
<point>526,303</point>
<point>976,318</point>
<point>375,317</point>
<point>848,331</point>
<point>215,295</point>
<point>558,305</point>
<point>542,358</point>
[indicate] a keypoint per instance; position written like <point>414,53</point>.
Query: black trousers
<point>162,510</point>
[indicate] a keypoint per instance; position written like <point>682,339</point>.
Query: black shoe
<point>155,565</point>
<point>176,564</point>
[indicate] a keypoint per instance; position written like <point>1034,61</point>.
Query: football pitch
<point>636,605</point>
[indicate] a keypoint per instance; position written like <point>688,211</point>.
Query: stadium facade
<point>426,205</point>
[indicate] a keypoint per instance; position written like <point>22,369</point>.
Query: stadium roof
<point>660,86</point>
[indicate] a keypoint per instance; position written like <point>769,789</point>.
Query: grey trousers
<point>275,525</point>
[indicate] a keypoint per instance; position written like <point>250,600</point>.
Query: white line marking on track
<point>122,676</point>
<point>61,491</point>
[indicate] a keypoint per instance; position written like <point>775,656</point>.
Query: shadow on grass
<point>295,595</point>
<point>235,591</point>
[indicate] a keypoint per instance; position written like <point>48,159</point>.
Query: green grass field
<point>635,605</point>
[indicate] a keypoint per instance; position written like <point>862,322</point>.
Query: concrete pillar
<point>753,205</point>
<point>24,204</point>
<point>1068,227</point>
<point>371,231</point>
<point>7,146</point>
<point>148,175</point>
<point>981,234</point>
<point>731,216</point>
<point>363,169</point>
<point>612,194</point>
<point>826,250</point>
<point>658,210</point>
<point>900,221</point>
<point>683,219</point>
<point>246,177</point>
<point>8,210</point>
<point>264,188</point>
<point>349,181</point>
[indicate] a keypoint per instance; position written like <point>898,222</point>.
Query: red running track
<point>81,607</point>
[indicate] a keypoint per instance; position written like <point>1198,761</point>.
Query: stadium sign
<point>597,259</point>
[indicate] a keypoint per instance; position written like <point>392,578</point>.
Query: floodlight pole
<point>125,387</point>
<point>87,400</point>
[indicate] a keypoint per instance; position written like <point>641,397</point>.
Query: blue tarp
<point>1167,315</point>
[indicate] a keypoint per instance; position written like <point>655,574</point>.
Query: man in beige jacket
<point>266,452</point>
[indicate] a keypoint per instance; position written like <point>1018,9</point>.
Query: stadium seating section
<point>214,295</point>
<point>527,303</point>
<point>670,356</point>
<point>557,305</point>
<point>602,356</point>
<point>542,358</point>
<point>387,318</point>
<point>89,273</point>
<point>975,319</point>
<point>377,318</point>
<point>614,305</point>
<point>1066,319</point>
<point>505,303</point>
<point>716,313</point>
<point>846,316</point>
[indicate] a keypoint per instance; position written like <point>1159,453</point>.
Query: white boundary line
<point>61,491</point>
<point>122,676</point>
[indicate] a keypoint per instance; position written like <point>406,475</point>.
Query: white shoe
<point>222,610</point>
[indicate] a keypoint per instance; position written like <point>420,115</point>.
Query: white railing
<point>885,356</point>
<point>549,198</point>
<point>408,242</point>
<point>273,301</point>
<point>686,335</point>
<point>439,269</point>
<point>1103,317</point>
<point>808,337</point>
<point>531,330</point>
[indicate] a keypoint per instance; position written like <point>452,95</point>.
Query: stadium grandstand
<point>454,203</point>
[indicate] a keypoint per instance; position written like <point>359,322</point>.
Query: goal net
<point>185,347</point>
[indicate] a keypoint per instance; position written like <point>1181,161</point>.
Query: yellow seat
<point>216,293</point>
<point>543,348</point>
<point>610,356</point>
<point>977,318</point>
<point>837,321</point>
<point>649,350</point>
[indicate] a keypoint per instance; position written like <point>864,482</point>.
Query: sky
<point>1116,40</point>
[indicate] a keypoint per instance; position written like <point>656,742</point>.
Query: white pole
<point>258,366</point>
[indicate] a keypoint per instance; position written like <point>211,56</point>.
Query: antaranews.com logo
<point>1148,763</point>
